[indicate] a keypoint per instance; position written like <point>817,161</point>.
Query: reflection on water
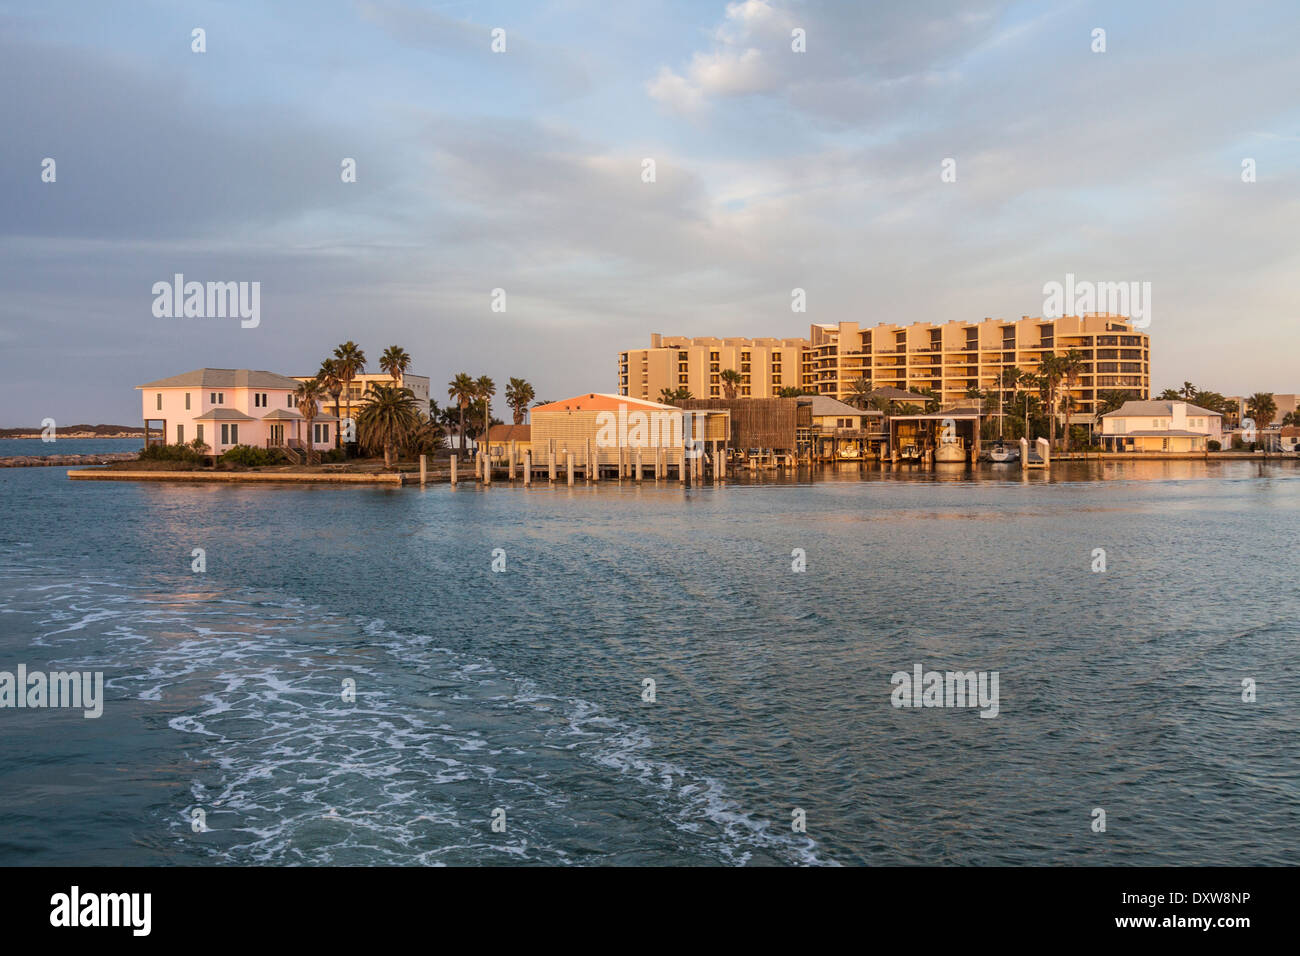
<point>523,690</point>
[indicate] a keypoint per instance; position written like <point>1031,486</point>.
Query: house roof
<point>823,406</point>
<point>509,433</point>
<point>224,378</point>
<point>1146,409</point>
<point>224,415</point>
<point>602,402</point>
<point>282,415</point>
<point>892,394</point>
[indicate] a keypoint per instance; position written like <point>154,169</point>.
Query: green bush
<point>249,457</point>
<point>1213,445</point>
<point>171,453</point>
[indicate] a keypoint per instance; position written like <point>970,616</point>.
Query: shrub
<point>1213,445</point>
<point>171,453</point>
<point>249,457</point>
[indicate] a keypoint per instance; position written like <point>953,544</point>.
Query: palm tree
<point>1188,391</point>
<point>1262,408</point>
<point>307,396</point>
<point>485,388</point>
<point>1112,401</point>
<point>518,394</point>
<point>349,362</point>
<point>1073,365</point>
<point>731,380</point>
<point>1170,395</point>
<point>395,362</point>
<point>328,376</point>
<point>389,419</point>
<point>1051,370</point>
<point>860,390</point>
<point>461,391</point>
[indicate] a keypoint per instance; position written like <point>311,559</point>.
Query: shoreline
<point>741,475</point>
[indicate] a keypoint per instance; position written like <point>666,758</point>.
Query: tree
<point>307,396</point>
<point>349,362</point>
<point>860,390</point>
<point>1170,395</point>
<point>669,396</point>
<point>461,391</point>
<point>731,381</point>
<point>1188,391</point>
<point>1262,408</point>
<point>1072,366</point>
<point>388,420</point>
<point>330,382</point>
<point>395,362</point>
<point>1112,401</point>
<point>518,394</point>
<point>1051,370</point>
<point>485,388</point>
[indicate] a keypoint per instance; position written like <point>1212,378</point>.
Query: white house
<point>1160,426</point>
<point>224,407</point>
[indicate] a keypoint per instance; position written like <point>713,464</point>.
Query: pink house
<point>224,407</point>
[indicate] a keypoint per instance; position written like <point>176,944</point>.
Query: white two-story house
<point>1160,426</point>
<point>224,407</point>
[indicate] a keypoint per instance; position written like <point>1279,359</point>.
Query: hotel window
<point>160,401</point>
<point>187,401</point>
<point>198,432</point>
<point>713,390</point>
<point>180,434</point>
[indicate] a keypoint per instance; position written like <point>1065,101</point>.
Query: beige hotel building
<point>949,359</point>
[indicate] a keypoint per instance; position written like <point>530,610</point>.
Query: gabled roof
<point>823,406</point>
<point>224,378</point>
<point>282,415</point>
<point>889,393</point>
<point>224,415</point>
<point>603,402</point>
<point>510,433</point>
<point>1155,408</point>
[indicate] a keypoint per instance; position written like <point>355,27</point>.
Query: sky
<point>524,171</point>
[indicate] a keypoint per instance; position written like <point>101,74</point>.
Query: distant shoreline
<point>80,432</point>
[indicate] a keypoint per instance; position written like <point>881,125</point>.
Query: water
<point>522,690</point>
<point>21,447</point>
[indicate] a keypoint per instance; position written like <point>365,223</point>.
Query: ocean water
<point>18,447</point>
<point>521,691</point>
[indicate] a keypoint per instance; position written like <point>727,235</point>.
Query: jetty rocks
<point>35,461</point>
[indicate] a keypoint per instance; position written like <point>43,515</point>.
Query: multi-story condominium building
<point>356,391</point>
<point>1160,426</point>
<point>948,359</point>
<point>765,365</point>
<point>224,407</point>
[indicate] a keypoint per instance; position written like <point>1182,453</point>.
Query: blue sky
<point>522,171</point>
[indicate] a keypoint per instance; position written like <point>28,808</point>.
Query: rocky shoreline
<point>36,461</point>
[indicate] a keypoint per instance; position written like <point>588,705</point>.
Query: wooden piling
<point>424,469</point>
<point>528,467</point>
<point>639,474</point>
<point>453,471</point>
<point>570,458</point>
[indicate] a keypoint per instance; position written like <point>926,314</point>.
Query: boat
<point>1002,453</point>
<point>950,451</point>
<point>910,452</point>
